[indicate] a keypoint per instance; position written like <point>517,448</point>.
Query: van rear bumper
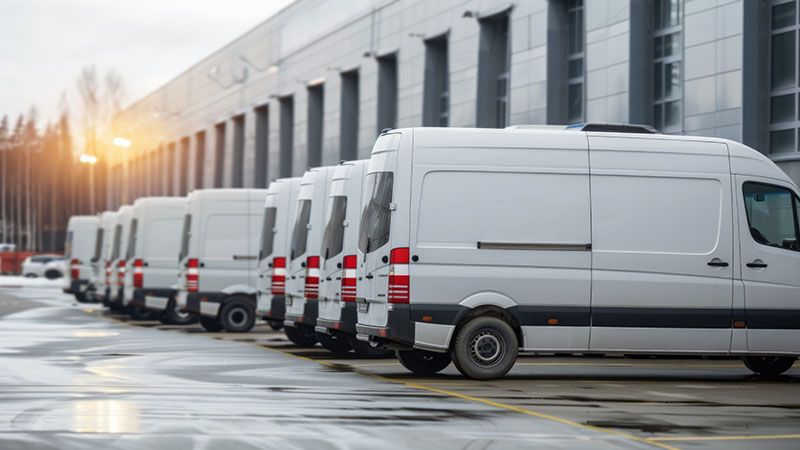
<point>402,322</point>
<point>309,316</point>
<point>277,309</point>
<point>204,303</point>
<point>78,286</point>
<point>140,294</point>
<point>399,326</point>
<point>347,321</point>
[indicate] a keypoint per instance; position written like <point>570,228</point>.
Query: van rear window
<point>187,226</point>
<point>267,235</point>
<point>300,231</point>
<point>98,244</point>
<point>333,238</point>
<point>132,240</point>
<point>117,242</point>
<point>376,217</point>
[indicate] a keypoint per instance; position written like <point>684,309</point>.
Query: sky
<point>44,44</point>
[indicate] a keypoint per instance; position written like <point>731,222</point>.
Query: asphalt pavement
<point>76,376</point>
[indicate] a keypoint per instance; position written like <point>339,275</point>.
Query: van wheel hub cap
<point>237,317</point>
<point>486,348</point>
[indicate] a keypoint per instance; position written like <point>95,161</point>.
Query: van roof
<point>79,220</point>
<point>223,194</point>
<point>155,201</point>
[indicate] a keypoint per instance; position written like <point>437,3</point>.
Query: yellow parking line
<point>752,437</point>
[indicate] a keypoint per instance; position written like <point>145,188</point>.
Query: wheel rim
<point>237,317</point>
<point>486,348</point>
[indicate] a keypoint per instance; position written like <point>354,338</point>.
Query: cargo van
<point>480,244</point>
<point>302,285</point>
<point>151,256</point>
<point>336,321</point>
<point>102,251</point>
<point>218,257</point>
<point>78,249</point>
<point>117,267</point>
<point>279,210</point>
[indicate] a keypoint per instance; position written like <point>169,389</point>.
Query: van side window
<point>187,227</point>
<point>376,217</point>
<point>772,215</point>
<point>300,231</point>
<point>333,237</point>
<point>267,236</point>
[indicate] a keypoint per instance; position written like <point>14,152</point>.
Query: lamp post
<point>124,144</point>
<point>90,160</point>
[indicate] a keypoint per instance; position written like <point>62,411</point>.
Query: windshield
<point>267,233</point>
<point>376,217</point>
<point>117,239</point>
<point>98,245</point>
<point>187,226</point>
<point>333,237</point>
<point>300,230</point>
<point>132,240</point>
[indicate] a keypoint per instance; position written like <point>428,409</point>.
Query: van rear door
<point>225,251</point>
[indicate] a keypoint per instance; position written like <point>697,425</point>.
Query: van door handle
<point>757,264</point>
<point>370,276</point>
<point>244,257</point>
<point>716,262</point>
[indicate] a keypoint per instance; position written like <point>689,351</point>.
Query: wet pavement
<point>75,376</point>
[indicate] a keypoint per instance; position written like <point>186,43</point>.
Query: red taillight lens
<point>349,264</point>
<point>278,275</point>
<point>192,275</point>
<point>74,270</point>
<point>398,275</point>
<point>121,273</point>
<point>312,278</point>
<point>138,273</point>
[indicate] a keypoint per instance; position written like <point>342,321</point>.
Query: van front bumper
<point>204,303</point>
<point>309,316</point>
<point>347,321</point>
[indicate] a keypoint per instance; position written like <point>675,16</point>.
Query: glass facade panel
<point>782,68</point>
<point>575,64</point>
<point>783,15</point>
<point>782,109</point>
<point>667,77</point>
<point>783,59</point>
<point>781,141</point>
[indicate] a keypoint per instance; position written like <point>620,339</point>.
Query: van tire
<point>299,337</point>
<point>423,363</point>
<point>275,325</point>
<point>137,313</point>
<point>334,344</point>
<point>210,324</point>
<point>364,349</point>
<point>769,366</point>
<point>172,316</point>
<point>238,315</point>
<point>485,348</point>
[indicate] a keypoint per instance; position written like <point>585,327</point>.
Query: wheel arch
<point>488,304</point>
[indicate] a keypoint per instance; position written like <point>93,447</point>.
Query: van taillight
<point>192,275</point>
<point>349,278</point>
<point>398,275</point>
<point>278,275</point>
<point>74,270</point>
<point>108,273</point>
<point>121,273</point>
<point>138,273</point>
<point>312,278</point>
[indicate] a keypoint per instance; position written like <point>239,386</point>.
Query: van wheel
<point>422,362</point>
<point>172,316</point>
<point>768,366</point>
<point>210,324</point>
<point>485,348</point>
<point>335,344</point>
<point>137,313</point>
<point>365,350</point>
<point>300,337</point>
<point>237,315</point>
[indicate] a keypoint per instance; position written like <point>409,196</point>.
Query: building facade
<point>316,83</point>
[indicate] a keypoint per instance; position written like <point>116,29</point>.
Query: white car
<point>40,266</point>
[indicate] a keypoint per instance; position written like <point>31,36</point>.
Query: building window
<point>184,167</point>
<point>493,71</point>
<point>348,132</point>
<point>286,136</point>
<point>219,155</point>
<point>316,110</point>
<point>237,166</point>
<point>575,58</point>
<point>667,65</point>
<point>262,146</point>
<point>783,110</point>
<point>199,158</point>
<point>436,106</point>
<point>387,92</point>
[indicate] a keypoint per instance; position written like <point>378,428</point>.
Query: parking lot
<point>79,376</point>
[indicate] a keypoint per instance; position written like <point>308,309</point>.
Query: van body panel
<point>118,249</point>
<point>281,195</point>
<point>314,187</point>
<point>80,246</point>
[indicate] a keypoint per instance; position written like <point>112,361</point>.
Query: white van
<point>302,285</point>
<point>100,262</point>
<point>78,249</point>
<point>116,275</point>
<point>336,320</point>
<point>152,259</point>
<point>279,210</point>
<point>481,243</point>
<point>218,257</point>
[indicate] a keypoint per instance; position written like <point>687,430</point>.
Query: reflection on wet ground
<point>72,378</point>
